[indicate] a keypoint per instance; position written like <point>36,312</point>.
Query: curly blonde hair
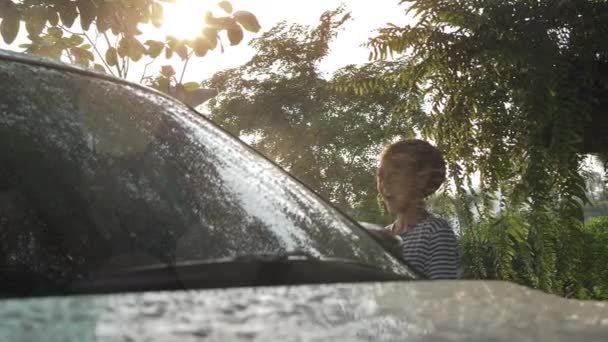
<point>425,156</point>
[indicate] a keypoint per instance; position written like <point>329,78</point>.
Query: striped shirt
<point>430,247</point>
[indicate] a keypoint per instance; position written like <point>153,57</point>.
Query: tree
<point>105,34</point>
<point>291,113</point>
<point>516,91</point>
<point>594,256</point>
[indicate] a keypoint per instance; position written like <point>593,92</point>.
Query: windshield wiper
<point>286,257</point>
<point>291,268</point>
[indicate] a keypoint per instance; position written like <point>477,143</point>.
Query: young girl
<point>409,171</point>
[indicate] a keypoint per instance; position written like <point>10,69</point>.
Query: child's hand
<point>386,238</point>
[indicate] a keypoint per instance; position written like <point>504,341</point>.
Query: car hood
<point>398,311</point>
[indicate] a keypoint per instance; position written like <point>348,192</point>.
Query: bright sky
<point>185,19</point>
<point>367,16</point>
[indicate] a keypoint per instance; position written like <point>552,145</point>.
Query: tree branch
<point>98,53</point>
<point>146,68</point>
<point>123,60</point>
<point>110,45</point>
<point>126,68</point>
<point>184,68</point>
<point>69,55</point>
<point>68,31</point>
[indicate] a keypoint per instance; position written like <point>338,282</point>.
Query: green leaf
<point>9,28</point>
<point>123,47</point>
<point>235,35</point>
<point>155,48</point>
<point>167,71</point>
<point>74,40</point>
<point>173,41</point>
<point>104,16</point>
<point>190,86</point>
<point>55,32</point>
<point>53,52</point>
<point>82,56</point>
<point>99,67</point>
<point>208,18</point>
<point>35,19</point>
<point>129,24</point>
<point>182,51</point>
<point>199,46</point>
<point>135,49</point>
<point>68,13</point>
<point>210,37</point>
<point>156,12</point>
<point>146,14</point>
<point>248,20</point>
<point>226,6</point>
<point>88,54</point>
<point>52,16</point>
<point>163,84</point>
<point>87,13</point>
<point>222,23</point>
<point>178,46</point>
<point>111,57</point>
<point>168,52</point>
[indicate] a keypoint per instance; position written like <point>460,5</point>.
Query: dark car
<point>126,215</point>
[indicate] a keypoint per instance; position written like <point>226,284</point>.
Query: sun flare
<point>185,18</point>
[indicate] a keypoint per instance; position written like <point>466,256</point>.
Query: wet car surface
<point>98,174</point>
<point>404,311</point>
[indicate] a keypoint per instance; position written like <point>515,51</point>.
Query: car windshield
<point>96,175</point>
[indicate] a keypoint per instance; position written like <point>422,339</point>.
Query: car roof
<point>12,56</point>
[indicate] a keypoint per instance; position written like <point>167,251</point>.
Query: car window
<point>98,175</point>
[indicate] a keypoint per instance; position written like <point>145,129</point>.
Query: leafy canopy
<point>290,111</point>
<point>106,34</point>
<point>514,91</point>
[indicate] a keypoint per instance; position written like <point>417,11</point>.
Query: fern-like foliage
<point>506,90</point>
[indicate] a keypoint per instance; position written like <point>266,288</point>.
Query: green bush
<point>492,249</point>
<point>594,259</point>
<point>503,248</point>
